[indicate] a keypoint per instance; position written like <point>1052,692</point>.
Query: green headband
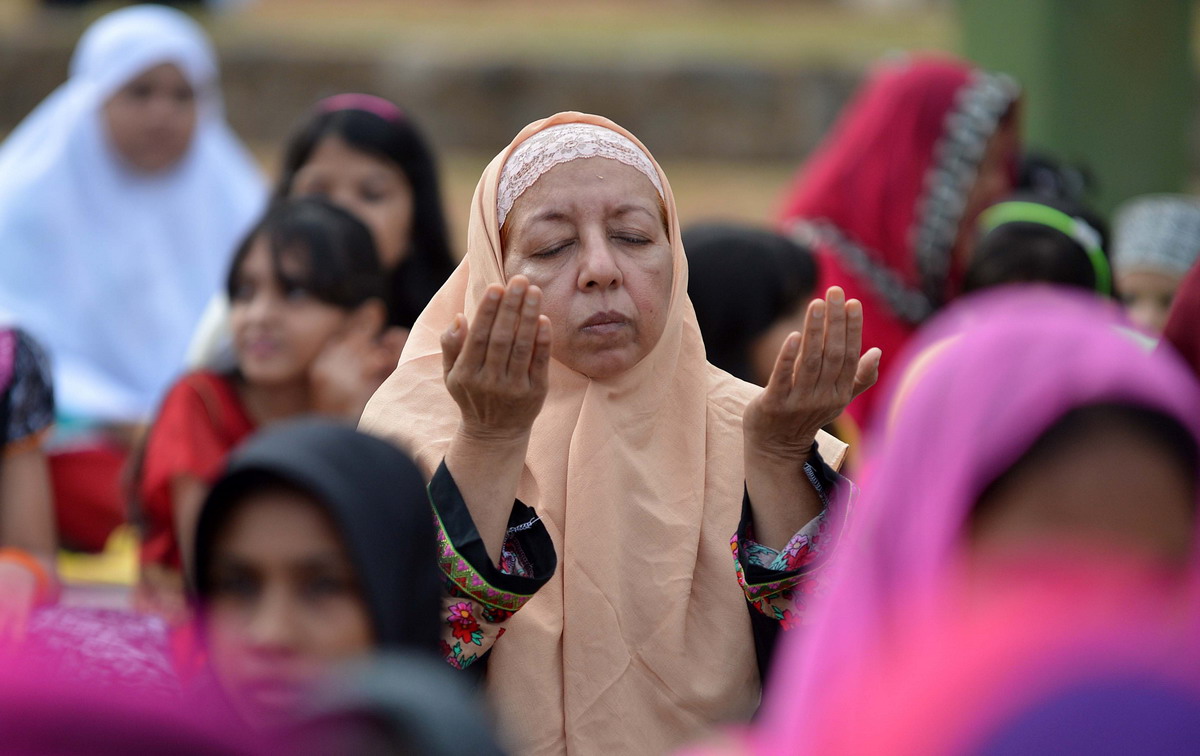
<point>1076,228</point>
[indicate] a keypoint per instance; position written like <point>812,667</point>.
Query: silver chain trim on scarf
<point>978,109</point>
<point>957,154</point>
<point>907,303</point>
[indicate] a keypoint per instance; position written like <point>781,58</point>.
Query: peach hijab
<point>642,639</point>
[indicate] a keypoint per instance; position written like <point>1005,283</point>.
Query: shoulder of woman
<point>728,394</point>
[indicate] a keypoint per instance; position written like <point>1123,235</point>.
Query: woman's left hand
<point>816,375</point>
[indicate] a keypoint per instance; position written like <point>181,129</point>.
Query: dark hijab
<point>375,497</point>
<point>741,280</point>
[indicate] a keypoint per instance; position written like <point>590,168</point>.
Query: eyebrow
<point>554,215</point>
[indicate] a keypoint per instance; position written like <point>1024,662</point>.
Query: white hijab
<point>108,267</point>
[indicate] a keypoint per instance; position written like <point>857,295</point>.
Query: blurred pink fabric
<point>989,377</point>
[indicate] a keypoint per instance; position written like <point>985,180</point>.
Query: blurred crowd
<point>912,471</point>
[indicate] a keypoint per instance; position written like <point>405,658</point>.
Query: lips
<point>260,347</point>
<point>603,323</point>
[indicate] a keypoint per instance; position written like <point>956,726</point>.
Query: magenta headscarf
<point>981,384</point>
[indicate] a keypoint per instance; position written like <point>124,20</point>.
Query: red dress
<point>882,198</point>
<point>201,420</point>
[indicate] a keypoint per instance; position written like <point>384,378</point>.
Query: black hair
<point>1030,252</point>
<point>339,261</point>
<point>741,280</point>
<point>429,261</point>
<point>1021,252</point>
<point>1161,431</point>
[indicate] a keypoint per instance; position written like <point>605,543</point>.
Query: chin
<point>603,367</point>
<point>267,376</point>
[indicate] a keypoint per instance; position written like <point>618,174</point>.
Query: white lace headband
<point>560,144</point>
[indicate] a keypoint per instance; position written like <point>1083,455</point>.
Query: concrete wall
<point>679,110</point>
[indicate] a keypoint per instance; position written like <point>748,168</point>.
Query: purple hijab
<point>981,384</point>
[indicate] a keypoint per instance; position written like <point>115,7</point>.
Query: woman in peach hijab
<point>561,366</point>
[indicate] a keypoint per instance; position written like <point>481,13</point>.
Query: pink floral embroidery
<point>463,624</point>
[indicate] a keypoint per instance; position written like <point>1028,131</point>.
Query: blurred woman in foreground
<point>1029,436</point>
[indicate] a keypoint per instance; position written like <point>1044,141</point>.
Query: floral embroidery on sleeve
<point>780,584</point>
<point>478,596</point>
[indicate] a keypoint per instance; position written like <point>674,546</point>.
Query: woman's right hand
<point>497,368</point>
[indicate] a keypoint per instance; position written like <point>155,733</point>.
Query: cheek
<point>651,289</point>
<point>225,636</point>
<point>391,225</point>
<point>187,123</point>
<point>121,122</point>
<point>311,330</point>
<point>342,628</point>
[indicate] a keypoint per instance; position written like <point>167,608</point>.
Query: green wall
<point>1107,83</point>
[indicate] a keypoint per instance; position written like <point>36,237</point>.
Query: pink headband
<point>386,110</point>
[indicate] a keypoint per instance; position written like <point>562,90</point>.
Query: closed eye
<point>631,239</point>
<point>552,251</point>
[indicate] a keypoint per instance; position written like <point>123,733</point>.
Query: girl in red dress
<point>307,310</point>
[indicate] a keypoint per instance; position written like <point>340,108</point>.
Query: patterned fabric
<point>106,648</point>
<point>28,398</point>
<point>480,597</point>
<point>560,144</point>
<point>779,584</point>
<point>1157,232</point>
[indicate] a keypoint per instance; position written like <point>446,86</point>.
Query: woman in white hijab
<point>121,198</point>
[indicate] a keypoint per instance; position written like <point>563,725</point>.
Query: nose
<point>271,624</point>
<point>262,307</point>
<point>346,198</point>
<point>599,268</point>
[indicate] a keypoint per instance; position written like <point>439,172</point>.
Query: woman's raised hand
<point>497,369</point>
<point>816,375</point>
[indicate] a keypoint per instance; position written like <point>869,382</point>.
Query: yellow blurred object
<point>117,564</point>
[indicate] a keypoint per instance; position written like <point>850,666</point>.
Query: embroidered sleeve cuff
<point>763,572</point>
<point>528,561</point>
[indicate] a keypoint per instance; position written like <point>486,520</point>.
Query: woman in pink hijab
<point>1028,428</point>
<point>562,366</point>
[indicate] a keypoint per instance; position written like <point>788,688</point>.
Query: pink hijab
<point>1020,670</point>
<point>992,375</point>
<point>642,639</point>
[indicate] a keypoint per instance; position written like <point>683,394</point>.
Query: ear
<point>370,317</point>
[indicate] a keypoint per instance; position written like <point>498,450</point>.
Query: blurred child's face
<point>285,604</point>
<point>279,329</point>
<point>374,189</point>
<point>150,120</point>
<point>1147,296</point>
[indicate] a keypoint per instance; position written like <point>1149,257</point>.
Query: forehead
<point>332,152</point>
<point>587,184</point>
<point>261,261</point>
<point>163,74</point>
<point>276,522</point>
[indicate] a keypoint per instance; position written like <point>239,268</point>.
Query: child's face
<point>285,605</point>
<point>150,120</point>
<point>1147,296</point>
<point>278,330</point>
<point>375,190</point>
